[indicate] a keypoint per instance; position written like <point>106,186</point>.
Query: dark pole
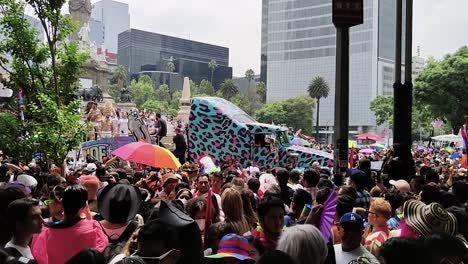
<point>397,86</point>
<point>317,121</point>
<point>341,100</point>
<point>408,74</point>
<point>403,94</point>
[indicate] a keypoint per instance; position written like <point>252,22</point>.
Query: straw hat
<point>429,218</point>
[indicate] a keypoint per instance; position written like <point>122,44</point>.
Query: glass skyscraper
<point>300,45</point>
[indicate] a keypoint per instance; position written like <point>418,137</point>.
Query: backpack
<point>116,246</point>
<point>13,252</point>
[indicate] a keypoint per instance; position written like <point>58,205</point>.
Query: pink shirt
<point>58,245</point>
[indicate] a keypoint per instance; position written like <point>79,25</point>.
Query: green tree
<point>176,95</point>
<point>228,89</point>
<point>47,73</point>
<point>442,86</point>
<point>10,133</point>
<point>205,87</point>
<point>382,106</point>
<point>293,112</point>
<point>261,91</point>
<point>318,89</point>
<point>212,65</point>
<point>163,93</point>
<point>142,90</point>
<point>250,75</point>
<point>154,105</point>
<point>170,67</point>
<point>117,82</point>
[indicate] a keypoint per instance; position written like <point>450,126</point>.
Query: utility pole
<point>403,93</point>
<point>346,13</point>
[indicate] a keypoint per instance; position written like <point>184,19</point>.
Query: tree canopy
<point>228,89</point>
<point>318,88</point>
<point>382,106</point>
<point>48,74</point>
<point>163,93</point>
<point>442,87</point>
<point>142,90</point>
<point>294,112</point>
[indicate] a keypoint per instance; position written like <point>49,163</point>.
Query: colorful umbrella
<point>369,136</point>
<point>377,146</point>
<point>366,151</point>
<point>147,154</point>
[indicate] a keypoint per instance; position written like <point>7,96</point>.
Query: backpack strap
<point>127,233</point>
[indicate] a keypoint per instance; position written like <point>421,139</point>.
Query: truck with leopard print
<point>222,130</point>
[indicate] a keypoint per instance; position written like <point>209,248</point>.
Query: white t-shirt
<point>25,251</point>
<point>351,257</point>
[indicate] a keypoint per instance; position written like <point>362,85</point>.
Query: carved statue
<point>80,10</point>
<point>125,96</point>
<point>91,94</point>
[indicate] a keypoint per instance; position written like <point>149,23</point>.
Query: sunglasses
<point>148,260</point>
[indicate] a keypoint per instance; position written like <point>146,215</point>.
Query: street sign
<point>348,13</point>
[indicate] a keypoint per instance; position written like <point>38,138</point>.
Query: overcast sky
<point>440,26</point>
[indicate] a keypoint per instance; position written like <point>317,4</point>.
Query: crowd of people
<point>131,214</point>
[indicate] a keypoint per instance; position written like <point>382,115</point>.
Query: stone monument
<point>185,102</point>
<point>96,68</point>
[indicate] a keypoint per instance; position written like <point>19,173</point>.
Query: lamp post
<point>346,14</point>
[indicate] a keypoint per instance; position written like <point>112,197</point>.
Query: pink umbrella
<point>147,154</point>
<point>369,136</point>
<point>366,151</point>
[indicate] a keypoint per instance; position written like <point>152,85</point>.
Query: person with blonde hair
<point>232,205</point>
<point>378,214</point>
<point>304,243</point>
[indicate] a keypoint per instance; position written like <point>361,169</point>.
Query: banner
<point>103,147</point>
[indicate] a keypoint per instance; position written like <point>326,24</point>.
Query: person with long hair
<point>233,208</point>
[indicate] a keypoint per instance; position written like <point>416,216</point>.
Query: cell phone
<point>306,211</point>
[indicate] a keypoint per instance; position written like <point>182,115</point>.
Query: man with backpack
<point>118,204</point>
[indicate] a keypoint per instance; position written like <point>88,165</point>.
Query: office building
<point>419,64</point>
<point>115,19</point>
<point>151,52</point>
<point>301,45</point>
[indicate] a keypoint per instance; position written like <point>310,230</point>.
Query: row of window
<point>318,42</point>
<point>311,33</point>
<point>317,53</point>
<point>279,6</point>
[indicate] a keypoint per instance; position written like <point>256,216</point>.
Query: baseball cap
<point>352,219</point>
<point>402,185</point>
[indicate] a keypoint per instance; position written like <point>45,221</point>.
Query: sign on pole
<point>348,13</point>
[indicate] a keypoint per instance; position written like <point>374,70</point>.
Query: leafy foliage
<point>228,89</point>
<point>318,88</point>
<point>249,75</point>
<point>212,65</point>
<point>162,93</point>
<point>442,87</point>
<point>170,67</point>
<point>56,130</point>
<point>10,132</point>
<point>205,87</point>
<point>142,90</point>
<point>382,106</point>
<point>47,73</point>
<point>261,91</point>
<point>176,95</point>
<point>117,82</point>
<point>293,112</point>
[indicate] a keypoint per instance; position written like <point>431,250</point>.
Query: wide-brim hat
<point>426,219</point>
<point>119,203</point>
<point>189,167</point>
<point>233,246</point>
